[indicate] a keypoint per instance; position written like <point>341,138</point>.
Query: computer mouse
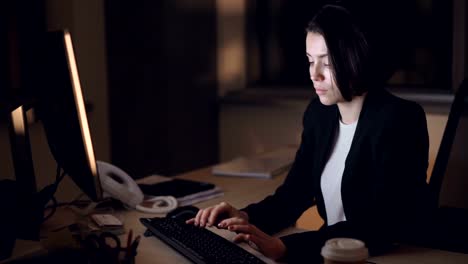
<point>183,213</point>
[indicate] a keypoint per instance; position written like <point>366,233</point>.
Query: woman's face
<point>320,70</point>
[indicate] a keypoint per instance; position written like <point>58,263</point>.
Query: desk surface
<point>243,191</point>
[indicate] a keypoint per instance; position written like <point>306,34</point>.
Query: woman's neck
<point>350,111</point>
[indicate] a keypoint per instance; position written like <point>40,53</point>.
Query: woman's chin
<point>326,101</point>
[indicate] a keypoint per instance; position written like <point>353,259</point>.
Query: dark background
<point>276,40</point>
<point>162,68</point>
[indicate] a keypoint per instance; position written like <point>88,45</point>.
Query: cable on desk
<point>49,191</point>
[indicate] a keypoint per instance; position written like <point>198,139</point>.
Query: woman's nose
<point>315,73</point>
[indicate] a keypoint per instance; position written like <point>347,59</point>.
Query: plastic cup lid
<point>345,249</point>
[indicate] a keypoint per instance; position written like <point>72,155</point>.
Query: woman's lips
<point>320,91</point>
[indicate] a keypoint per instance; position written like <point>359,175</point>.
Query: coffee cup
<point>344,251</point>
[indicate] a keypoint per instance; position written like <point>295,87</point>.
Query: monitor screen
<point>21,151</point>
<point>61,108</point>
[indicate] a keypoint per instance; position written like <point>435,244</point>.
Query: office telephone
<point>117,184</point>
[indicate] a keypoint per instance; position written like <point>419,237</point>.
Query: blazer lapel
<point>364,122</point>
<point>326,134</point>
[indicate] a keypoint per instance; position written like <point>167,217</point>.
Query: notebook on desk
<point>265,165</point>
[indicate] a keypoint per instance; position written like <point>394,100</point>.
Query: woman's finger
<point>209,215</point>
<point>241,238</point>
<point>199,216</point>
<point>204,216</point>
<point>232,221</point>
<point>217,211</point>
<point>242,228</point>
<point>252,240</point>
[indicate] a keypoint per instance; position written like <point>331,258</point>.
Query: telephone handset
<point>117,184</point>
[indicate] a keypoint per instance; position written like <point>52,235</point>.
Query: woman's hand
<point>271,247</point>
<point>237,221</point>
<point>222,211</point>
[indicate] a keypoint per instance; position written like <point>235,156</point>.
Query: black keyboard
<point>197,244</point>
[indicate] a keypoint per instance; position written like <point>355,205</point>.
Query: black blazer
<point>384,181</point>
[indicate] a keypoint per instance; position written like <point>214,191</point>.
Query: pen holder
<point>99,256</point>
<point>106,248</point>
<point>126,257</point>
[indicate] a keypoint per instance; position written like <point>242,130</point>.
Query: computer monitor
<point>57,101</point>
<point>61,108</point>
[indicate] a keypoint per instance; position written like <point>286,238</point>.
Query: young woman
<point>362,159</point>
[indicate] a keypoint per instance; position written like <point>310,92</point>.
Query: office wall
<point>163,85</point>
<point>231,37</point>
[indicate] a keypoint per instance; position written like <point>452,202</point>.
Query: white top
<point>333,173</point>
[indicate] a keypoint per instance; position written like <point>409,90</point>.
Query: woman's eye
<point>326,64</point>
<point>311,63</point>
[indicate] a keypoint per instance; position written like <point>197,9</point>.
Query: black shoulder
<point>399,108</point>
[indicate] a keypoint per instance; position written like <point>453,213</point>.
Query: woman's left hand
<point>271,247</point>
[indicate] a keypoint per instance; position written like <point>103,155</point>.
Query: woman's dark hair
<point>359,57</point>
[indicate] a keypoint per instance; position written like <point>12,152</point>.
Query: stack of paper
<point>200,197</point>
<point>264,165</point>
<point>186,192</point>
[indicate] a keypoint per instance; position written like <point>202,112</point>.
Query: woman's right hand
<point>222,215</point>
